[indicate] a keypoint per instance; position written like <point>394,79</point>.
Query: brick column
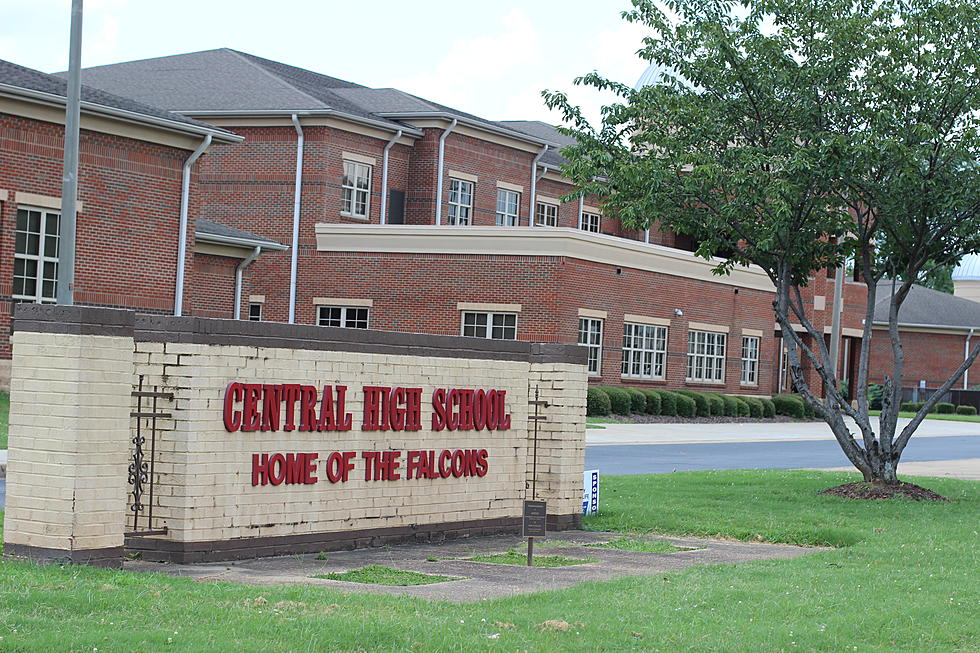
<point>71,379</point>
<point>559,372</point>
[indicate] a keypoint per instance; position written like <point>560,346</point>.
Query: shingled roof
<point>213,232</point>
<point>16,79</point>
<point>226,81</point>
<point>928,308</point>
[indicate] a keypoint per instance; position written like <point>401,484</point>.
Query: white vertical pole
<point>69,181</point>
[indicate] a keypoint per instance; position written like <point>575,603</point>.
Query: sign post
<point>535,512</point>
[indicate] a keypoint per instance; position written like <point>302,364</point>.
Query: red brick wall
<point>932,357</point>
<point>127,232</point>
<point>211,286</point>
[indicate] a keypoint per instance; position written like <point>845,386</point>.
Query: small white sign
<point>590,492</point>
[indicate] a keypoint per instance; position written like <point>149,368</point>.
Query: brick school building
<point>329,203</point>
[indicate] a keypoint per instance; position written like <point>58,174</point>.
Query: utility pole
<point>69,180</point>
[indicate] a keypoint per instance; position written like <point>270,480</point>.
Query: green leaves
<point>793,135</point>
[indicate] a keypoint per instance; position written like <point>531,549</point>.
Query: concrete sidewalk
<point>967,469</point>
<point>478,580</point>
<point>615,434</point>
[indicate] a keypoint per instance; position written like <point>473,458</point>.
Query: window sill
<point>700,382</point>
<point>351,216</point>
<point>748,385</point>
<point>639,379</point>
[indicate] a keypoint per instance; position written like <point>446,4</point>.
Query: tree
<point>798,135</point>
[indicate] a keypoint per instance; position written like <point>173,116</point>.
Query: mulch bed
<point>865,490</point>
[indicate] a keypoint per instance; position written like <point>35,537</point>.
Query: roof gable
<point>927,307</point>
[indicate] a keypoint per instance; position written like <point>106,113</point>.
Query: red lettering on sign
<point>290,394</point>
<point>276,470</point>
<point>260,469</point>
<point>250,404</point>
<point>413,409</point>
<point>307,416</point>
<point>233,418</point>
<point>445,463</point>
<point>439,409</point>
<point>482,465</point>
<point>271,407</point>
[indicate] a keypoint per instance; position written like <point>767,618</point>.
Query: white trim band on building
<point>493,308</point>
<point>644,319</point>
<point>517,241</point>
<point>342,301</point>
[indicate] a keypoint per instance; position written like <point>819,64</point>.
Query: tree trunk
<point>883,467</point>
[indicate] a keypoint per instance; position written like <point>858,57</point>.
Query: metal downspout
<point>238,280</point>
<point>534,185</point>
<point>442,157</point>
<point>297,196</point>
<point>581,210</point>
<point>185,190</point>
<point>384,177</point>
<point>966,354</point>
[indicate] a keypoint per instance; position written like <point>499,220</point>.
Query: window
<point>351,317</point>
<point>507,211</point>
<point>590,335</point>
<point>750,360</point>
<point>644,351</point>
<point>357,189</point>
<point>36,255</point>
<point>706,356</point>
<point>590,222</point>
<point>460,201</point>
<point>255,312</point>
<point>497,326</point>
<point>546,215</point>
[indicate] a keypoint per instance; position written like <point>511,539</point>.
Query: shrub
<point>742,408</point>
<point>653,401</point>
<point>911,406</point>
<point>686,407</point>
<point>789,405</point>
<point>668,402</point>
<point>756,408</point>
<point>619,399</point>
<point>638,400</point>
<point>807,409</point>
<point>597,402</point>
<point>731,405</point>
<point>715,403</point>
<point>945,408</point>
<point>966,410</point>
<point>874,396</point>
<point>701,406</point>
<point>768,407</point>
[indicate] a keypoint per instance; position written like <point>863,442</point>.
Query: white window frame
<point>257,315</point>
<point>590,336</point>
<point>644,351</point>
<point>508,208</point>
<point>460,212</point>
<point>750,359</point>
<point>546,215</point>
<point>354,192</point>
<point>348,316</point>
<point>591,222</point>
<point>492,322</point>
<point>41,259</point>
<point>706,356</point>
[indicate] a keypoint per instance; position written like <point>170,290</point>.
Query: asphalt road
<point>617,460</point>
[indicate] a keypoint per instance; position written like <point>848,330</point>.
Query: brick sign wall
<point>282,438</point>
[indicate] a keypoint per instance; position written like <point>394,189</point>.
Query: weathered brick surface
<point>929,357</point>
<point>69,438</point>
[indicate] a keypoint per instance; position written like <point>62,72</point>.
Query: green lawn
<point>906,579</point>
<point>4,414</point>
<point>381,575</point>
<point>945,416</point>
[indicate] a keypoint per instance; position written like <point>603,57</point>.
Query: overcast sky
<point>488,58</point>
